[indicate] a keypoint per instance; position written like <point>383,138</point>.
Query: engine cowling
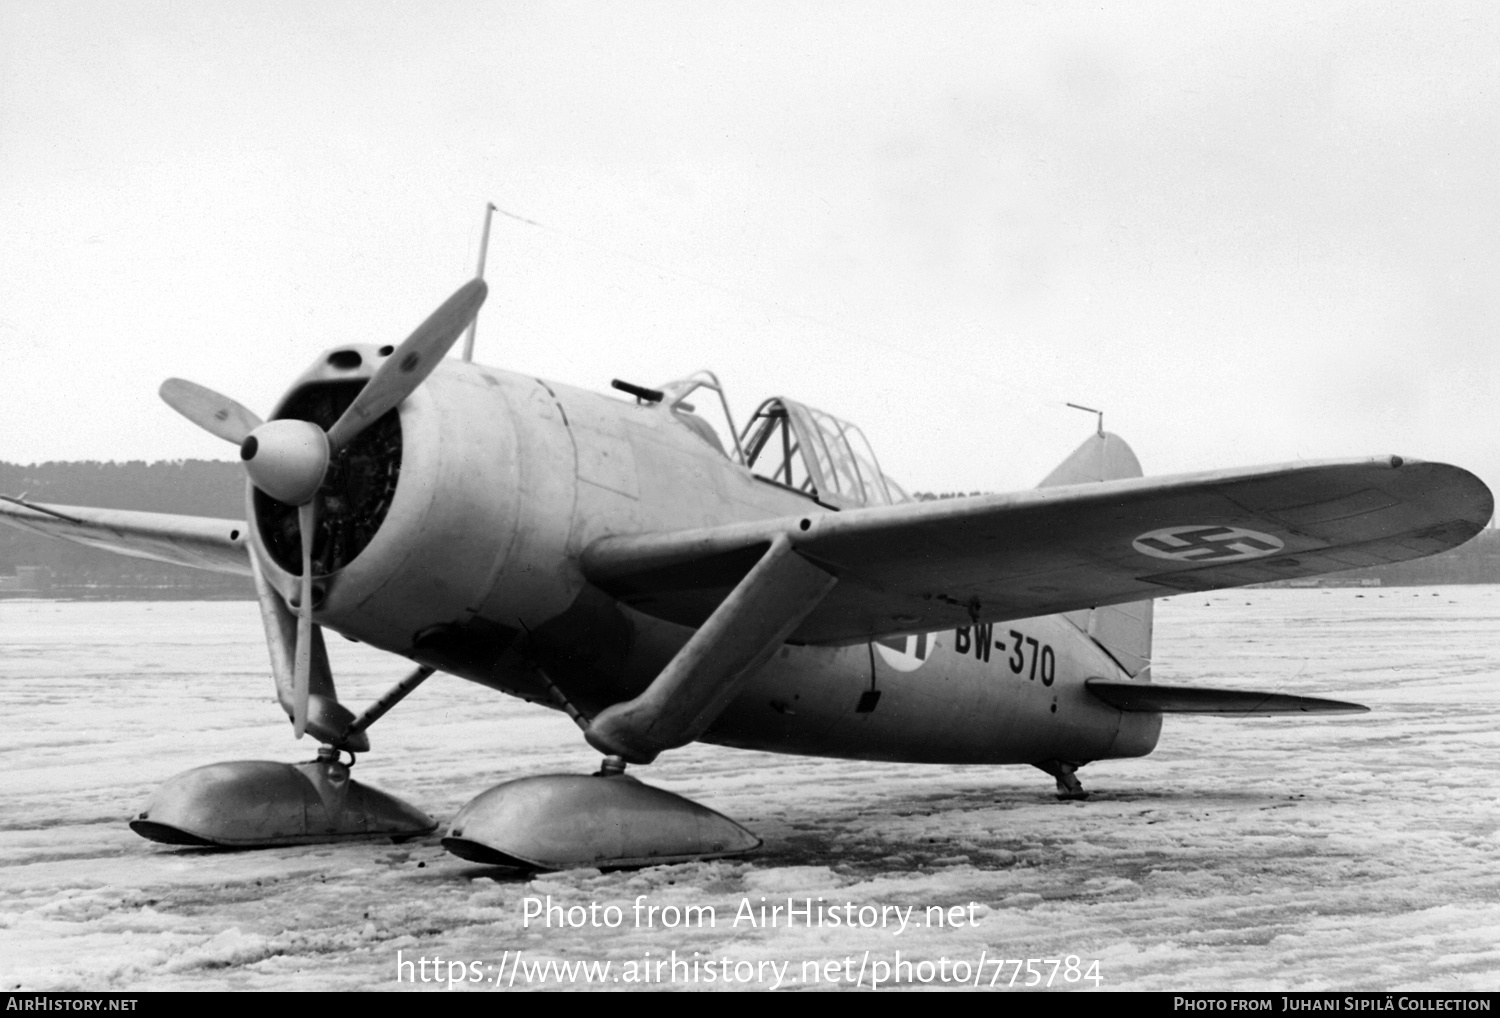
<point>453,509</point>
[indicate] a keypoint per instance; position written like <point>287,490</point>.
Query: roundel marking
<point>1207,543</point>
<point>905,653</point>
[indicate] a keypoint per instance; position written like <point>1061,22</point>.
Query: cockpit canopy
<point>792,445</point>
<point>816,453</point>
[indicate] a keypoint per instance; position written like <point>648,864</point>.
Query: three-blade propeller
<point>288,459</point>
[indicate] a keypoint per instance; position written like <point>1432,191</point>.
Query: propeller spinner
<point>288,459</point>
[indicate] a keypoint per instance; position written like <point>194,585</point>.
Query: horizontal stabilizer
<point>1150,697</point>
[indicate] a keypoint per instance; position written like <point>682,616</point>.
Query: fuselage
<point>472,567</point>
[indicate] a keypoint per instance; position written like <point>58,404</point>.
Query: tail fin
<point>1102,457</point>
<point>1123,630</point>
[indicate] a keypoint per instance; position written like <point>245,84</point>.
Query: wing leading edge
<point>196,541</point>
<point>935,565</point>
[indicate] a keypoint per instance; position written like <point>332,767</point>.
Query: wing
<point>936,565</point>
<point>197,541</point>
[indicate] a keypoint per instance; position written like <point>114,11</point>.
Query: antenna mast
<point>484,249</point>
<point>1077,406</point>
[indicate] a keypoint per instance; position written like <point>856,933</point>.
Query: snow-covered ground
<point>1356,852</point>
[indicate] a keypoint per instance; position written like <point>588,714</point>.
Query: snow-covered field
<point>1354,852</point>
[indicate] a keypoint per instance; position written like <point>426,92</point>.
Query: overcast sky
<point>1250,233</point>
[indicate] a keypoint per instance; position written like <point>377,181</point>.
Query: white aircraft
<point>664,581</point>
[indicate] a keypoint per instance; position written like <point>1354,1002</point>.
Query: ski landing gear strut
<point>609,819</point>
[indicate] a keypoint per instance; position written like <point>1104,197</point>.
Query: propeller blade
<point>307,521</point>
<point>412,362</point>
<point>216,414</point>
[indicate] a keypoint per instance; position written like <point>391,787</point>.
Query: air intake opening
<point>356,494</point>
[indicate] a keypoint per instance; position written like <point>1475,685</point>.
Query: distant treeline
<point>217,488</point>
<point>1478,561</point>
